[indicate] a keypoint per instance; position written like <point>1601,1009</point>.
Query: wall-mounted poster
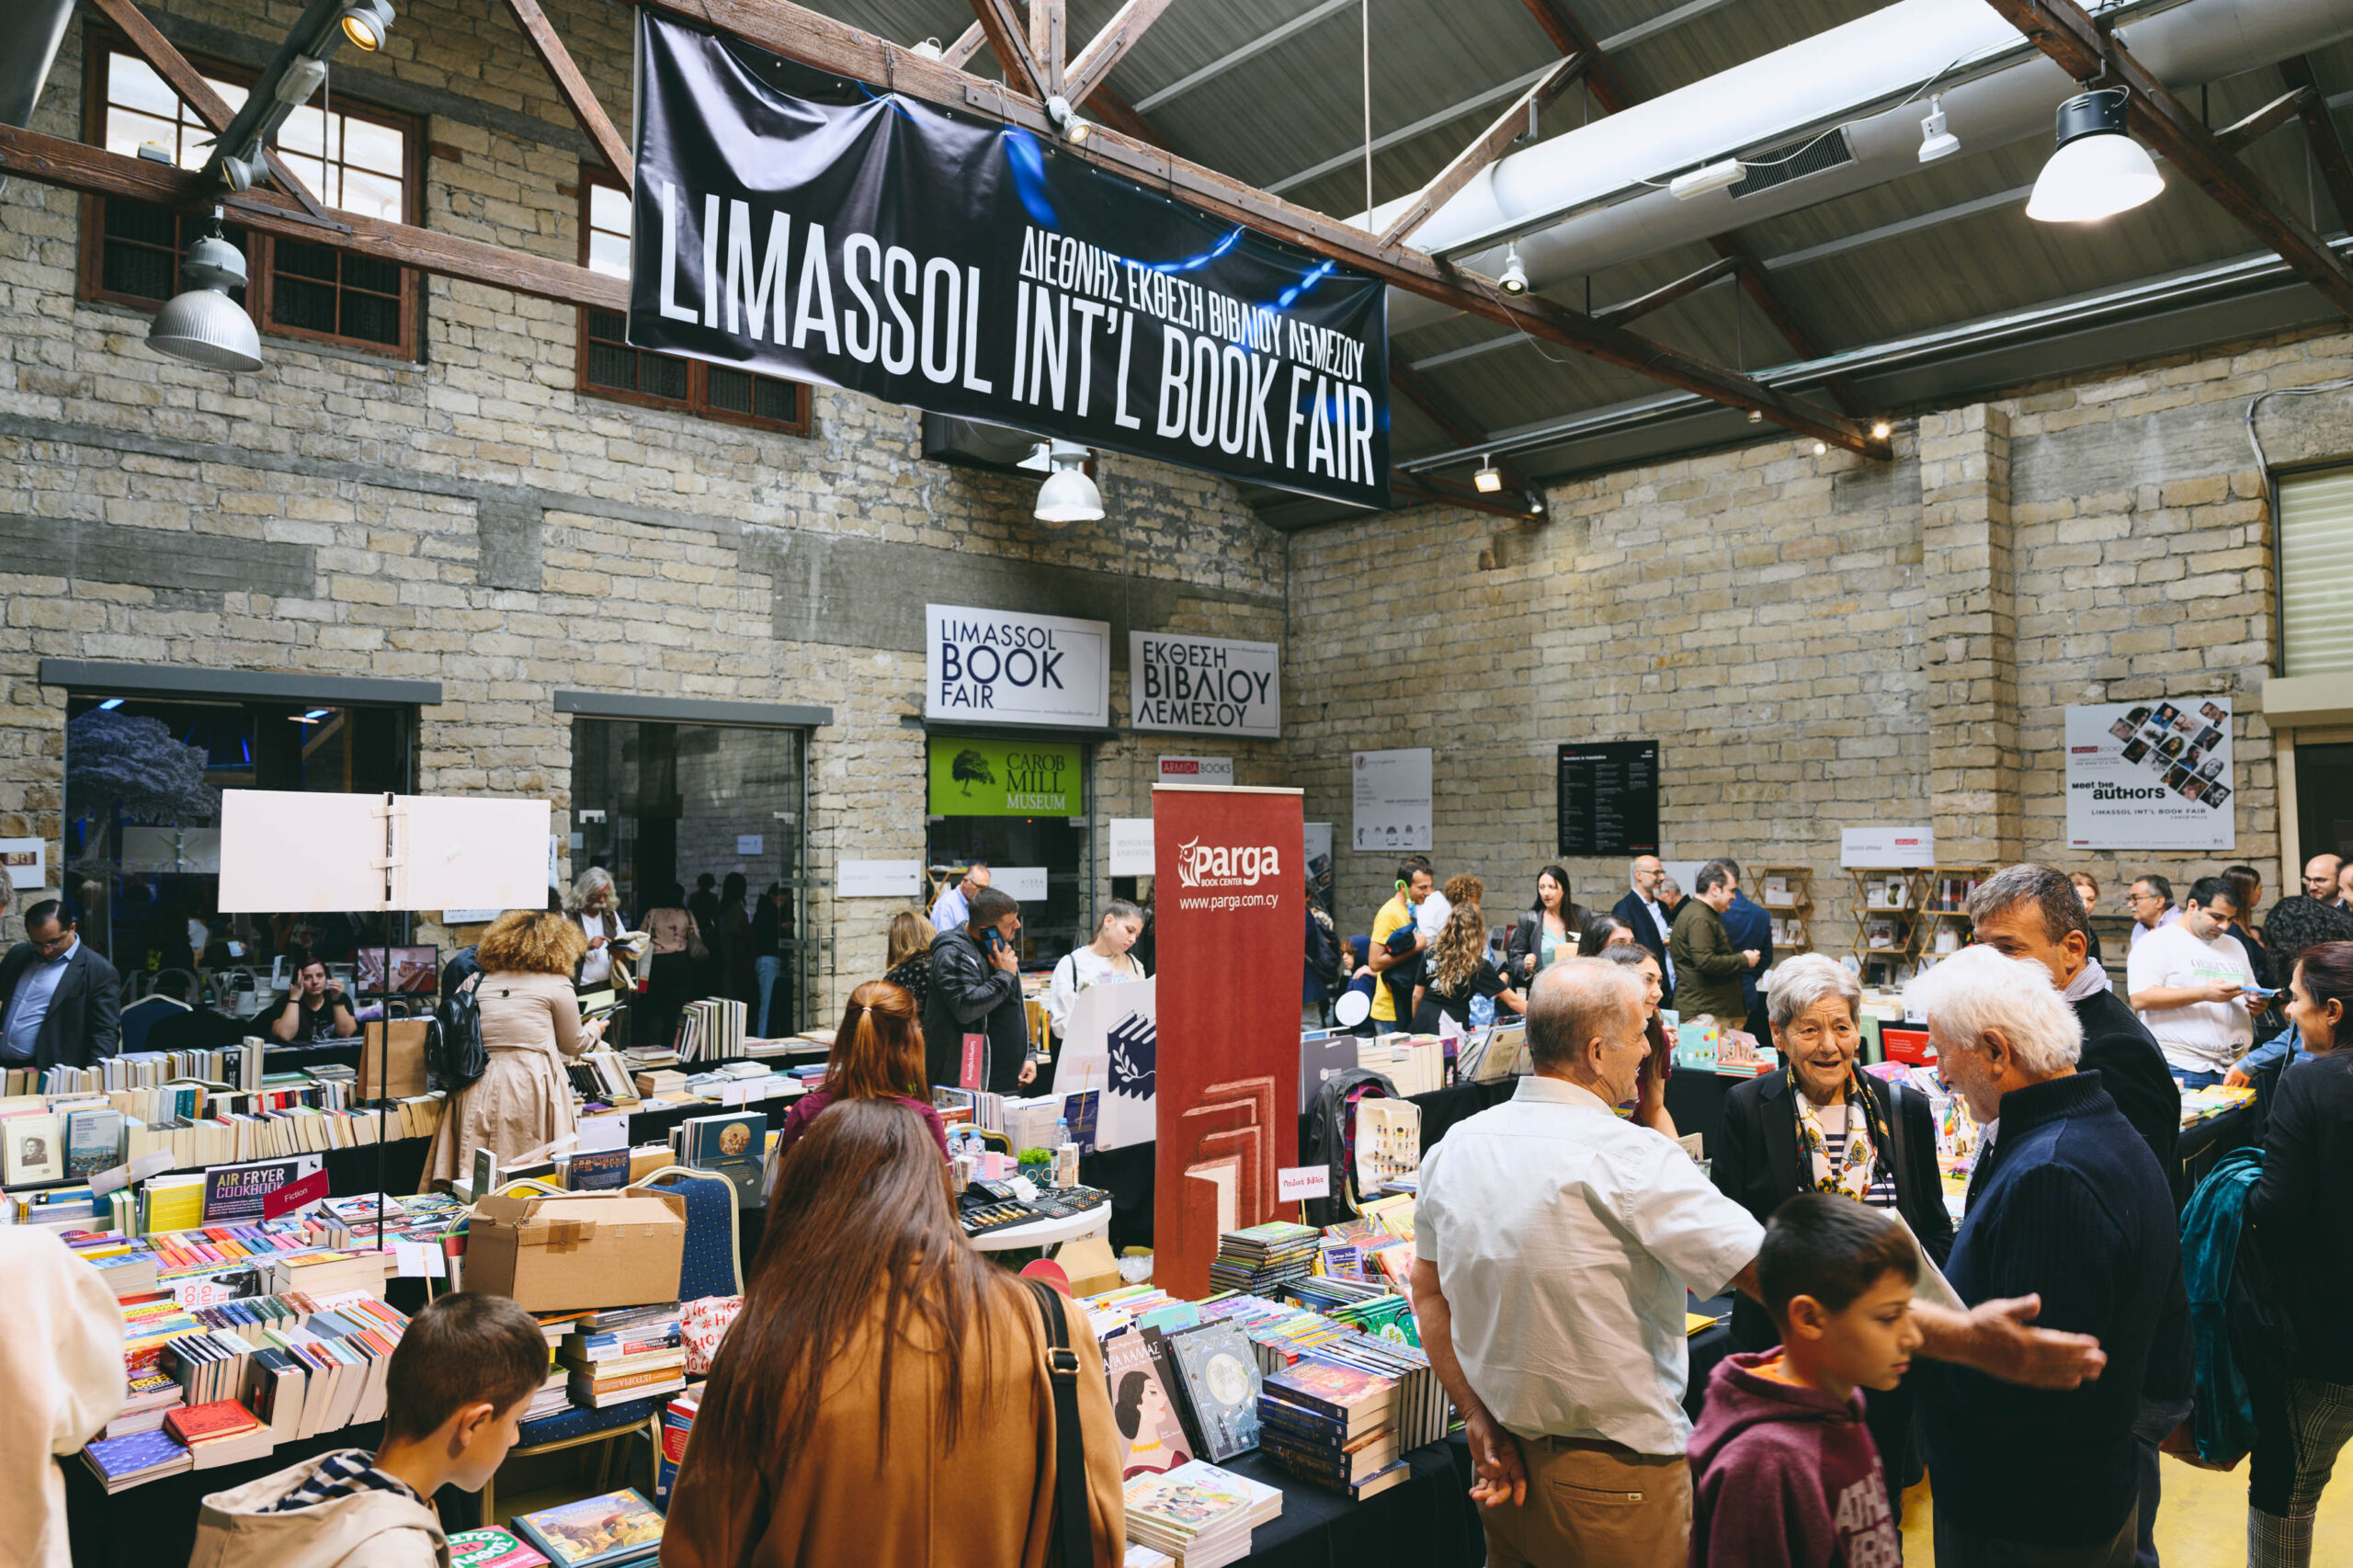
<point>2151,775</point>
<point>1392,800</point>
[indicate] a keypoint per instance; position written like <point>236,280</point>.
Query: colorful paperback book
<point>92,1139</point>
<point>234,1194</point>
<point>492,1548</point>
<point>115,1461</point>
<point>1356,1399</point>
<point>617,1527</point>
<point>1141,1409</point>
<point>1223,1382</point>
<point>1186,1505</point>
<point>599,1169</point>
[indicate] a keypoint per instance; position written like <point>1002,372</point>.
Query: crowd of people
<point>887,1394</point>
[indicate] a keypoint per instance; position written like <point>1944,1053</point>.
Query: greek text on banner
<point>1212,684</point>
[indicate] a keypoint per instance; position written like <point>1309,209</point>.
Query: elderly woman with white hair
<point>2067,1207</point>
<point>596,908</point>
<point>1821,1125</point>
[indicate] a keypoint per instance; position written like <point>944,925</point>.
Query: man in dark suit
<point>60,1005</point>
<point>2034,911</point>
<point>1652,922</point>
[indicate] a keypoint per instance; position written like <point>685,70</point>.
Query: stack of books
<point>120,1463</point>
<point>222,1432</point>
<point>1262,1258</point>
<point>1333,1426</point>
<point>622,1354</point>
<point>677,1425</point>
<point>712,1030</point>
<point>618,1529</point>
<point>1197,1514</point>
<point>148,1399</point>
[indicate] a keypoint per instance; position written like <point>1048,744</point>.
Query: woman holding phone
<point>1649,1106</point>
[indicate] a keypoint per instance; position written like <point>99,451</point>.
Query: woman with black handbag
<point>888,1394</point>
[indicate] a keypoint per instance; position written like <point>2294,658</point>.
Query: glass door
<point>709,818</point>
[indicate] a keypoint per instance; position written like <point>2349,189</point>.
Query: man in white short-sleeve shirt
<point>2192,986</point>
<point>1553,1242</point>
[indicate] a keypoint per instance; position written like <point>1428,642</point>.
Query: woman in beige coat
<point>530,1022</point>
<point>883,1397</point>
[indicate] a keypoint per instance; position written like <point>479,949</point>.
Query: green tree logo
<point>970,768</point>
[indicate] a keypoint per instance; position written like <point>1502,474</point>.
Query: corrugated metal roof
<point>1950,243</point>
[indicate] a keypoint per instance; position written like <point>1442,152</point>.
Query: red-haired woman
<point>885,1397</point>
<point>877,1056</point>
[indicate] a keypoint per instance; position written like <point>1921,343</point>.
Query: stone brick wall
<point>1819,643</point>
<point>471,517</point>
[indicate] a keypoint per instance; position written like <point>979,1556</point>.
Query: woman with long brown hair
<point>530,1022</point>
<point>883,1397</point>
<point>877,1056</point>
<point>1460,969</point>
<point>908,960</point>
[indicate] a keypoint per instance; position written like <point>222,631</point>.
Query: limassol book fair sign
<point>1000,667</point>
<point>794,223</point>
<point>2151,775</point>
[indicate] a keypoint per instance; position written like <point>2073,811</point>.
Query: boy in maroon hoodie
<point>1784,1472</point>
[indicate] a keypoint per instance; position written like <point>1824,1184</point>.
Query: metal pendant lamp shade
<point>1068,496</point>
<point>202,324</point>
<point>2098,170</point>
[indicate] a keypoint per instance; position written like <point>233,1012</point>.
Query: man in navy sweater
<point>2066,1204</point>
<point>1750,929</point>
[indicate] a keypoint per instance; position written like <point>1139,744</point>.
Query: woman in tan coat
<point>530,1022</point>
<point>883,1398</point>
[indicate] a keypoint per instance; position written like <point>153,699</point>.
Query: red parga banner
<point>1229,900</point>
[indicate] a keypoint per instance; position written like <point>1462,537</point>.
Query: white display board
<point>1210,770</point>
<point>1114,1046</point>
<point>1884,846</point>
<point>1210,685</point>
<point>878,879</point>
<point>2151,775</point>
<point>287,851</point>
<point>1128,847</point>
<point>1391,800</point>
<point>1024,883</point>
<point>26,861</point>
<point>1000,667</point>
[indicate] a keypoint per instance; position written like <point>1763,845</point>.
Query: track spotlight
<point>1515,276</point>
<point>2098,170</point>
<point>1936,141</point>
<point>1881,429</point>
<point>365,23</point>
<point>1489,479</point>
<point>1075,129</point>
<point>1756,416</point>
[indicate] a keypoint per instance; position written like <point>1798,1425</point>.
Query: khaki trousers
<point>1594,1505</point>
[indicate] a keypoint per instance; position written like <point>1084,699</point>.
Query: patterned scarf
<point>1866,1135</point>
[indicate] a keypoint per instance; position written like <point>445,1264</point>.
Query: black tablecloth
<point>153,1526</point>
<point>1427,1522</point>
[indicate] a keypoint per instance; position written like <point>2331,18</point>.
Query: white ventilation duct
<point>1597,175</point>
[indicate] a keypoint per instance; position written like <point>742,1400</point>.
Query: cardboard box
<point>567,1251</point>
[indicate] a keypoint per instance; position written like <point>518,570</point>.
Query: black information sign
<point>1609,798</point>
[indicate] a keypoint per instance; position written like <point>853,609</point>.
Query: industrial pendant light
<point>1068,496</point>
<point>2098,170</point>
<point>202,324</point>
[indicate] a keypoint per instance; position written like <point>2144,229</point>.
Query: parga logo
<point>1201,865</point>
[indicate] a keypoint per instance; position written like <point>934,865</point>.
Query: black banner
<point>793,223</point>
<point>1608,795</point>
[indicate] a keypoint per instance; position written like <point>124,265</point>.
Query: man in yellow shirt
<point>1413,884</point>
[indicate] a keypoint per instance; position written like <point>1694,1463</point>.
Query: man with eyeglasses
<point>2321,873</point>
<point>2151,905</point>
<point>60,1005</point>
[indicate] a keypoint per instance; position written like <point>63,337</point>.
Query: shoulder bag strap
<point>1073,1527</point>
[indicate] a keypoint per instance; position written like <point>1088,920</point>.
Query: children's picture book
<point>1221,1378</point>
<point>615,1528</point>
<point>1141,1409</point>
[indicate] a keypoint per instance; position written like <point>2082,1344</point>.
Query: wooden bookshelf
<point>1945,894</point>
<point>1897,926</point>
<point>1793,911</point>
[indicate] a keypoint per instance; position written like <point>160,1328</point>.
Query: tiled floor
<point>2203,1523</point>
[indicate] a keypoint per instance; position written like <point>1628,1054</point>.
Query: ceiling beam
<point>1515,123</point>
<point>1610,90</point>
<point>1250,51</point>
<point>1666,294</point>
<point>825,44</point>
<point>1008,40</point>
<point>1432,490</point>
<point>1121,116</point>
<point>2062,30</point>
<point>1107,49</point>
<point>2245,132</point>
<point>190,84</point>
<point>578,95</point>
<point>74,166</point>
<point>956,55</point>
<point>1049,42</point>
<point>2321,134</point>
